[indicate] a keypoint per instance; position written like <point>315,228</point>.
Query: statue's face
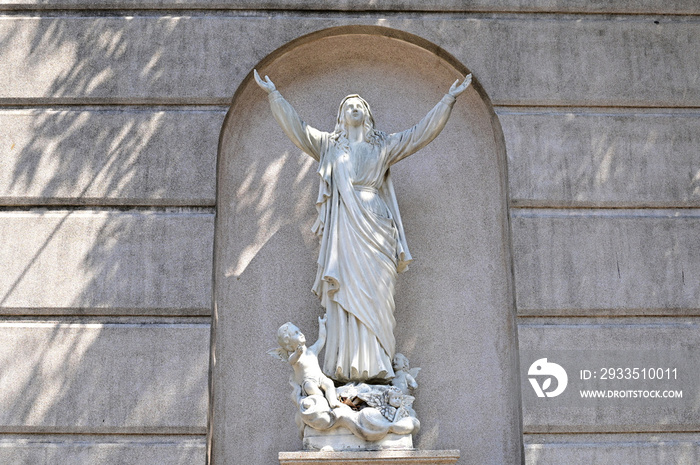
<point>395,399</point>
<point>296,337</point>
<point>354,112</point>
<point>293,337</point>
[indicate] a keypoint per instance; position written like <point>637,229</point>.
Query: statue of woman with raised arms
<point>363,246</point>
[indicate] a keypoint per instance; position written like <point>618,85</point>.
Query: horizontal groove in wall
<point>544,430</point>
<point>386,8</point>
<point>597,110</point>
<point>680,321</point>
<point>596,438</point>
<point>114,438</point>
<point>655,18</point>
<point>614,437</point>
<point>116,103</point>
<point>554,430</point>
<point>223,103</point>
<point>516,107</point>
<point>161,431</point>
<point>104,321</point>
<point>662,213</point>
<point>82,211</point>
<point>110,312</point>
<point>37,106</point>
<point>545,205</point>
<point>145,209</point>
<point>104,204</point>
<point>608,312</point>
<point>53,106</point>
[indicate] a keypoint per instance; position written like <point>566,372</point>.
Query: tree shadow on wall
<point>81,135</point>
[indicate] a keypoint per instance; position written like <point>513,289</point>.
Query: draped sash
<point>361,254</point>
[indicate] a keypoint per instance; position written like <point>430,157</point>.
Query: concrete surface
<point>103,377</point>
<point>109,156</point>
<point>106,262</point>
<point>604,449</point>
<point>105,450</point>
<point>600,344</point>
<point>610,262</point>
<point>602,157</point>
<point>519,60</point>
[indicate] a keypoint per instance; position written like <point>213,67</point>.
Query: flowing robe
<point>363,245</point>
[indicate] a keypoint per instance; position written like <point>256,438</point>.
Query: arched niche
<point>455,309</point>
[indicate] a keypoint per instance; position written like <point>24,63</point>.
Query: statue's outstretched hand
<point>267,85</point>
<point>458,88</point>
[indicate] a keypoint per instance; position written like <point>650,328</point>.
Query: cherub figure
<point>304,361</point>
<point>390,402</point>
<point>402,403</point>
<point>405,379</point>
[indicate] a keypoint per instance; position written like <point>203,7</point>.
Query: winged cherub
<point>304,361</point>
<point>405,379</point>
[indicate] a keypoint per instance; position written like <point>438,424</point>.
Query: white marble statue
<point>369,412</point>
<point>405,376</point>
<point>304,361</point>
<point>363,245</point>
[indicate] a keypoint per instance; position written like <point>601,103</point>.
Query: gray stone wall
<point>110,118</point>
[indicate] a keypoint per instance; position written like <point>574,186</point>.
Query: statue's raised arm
<point>265,84</point>
<point>363,244</point>
<point>456,89</point>
<point>405,143</point>
<point>304,136</point>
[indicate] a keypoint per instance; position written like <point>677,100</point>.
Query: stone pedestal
<point>393,457</point>
<point>341,439</point>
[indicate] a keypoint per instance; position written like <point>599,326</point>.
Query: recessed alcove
<point>454,307</point>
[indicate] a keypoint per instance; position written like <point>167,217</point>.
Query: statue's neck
<point>355,134</point>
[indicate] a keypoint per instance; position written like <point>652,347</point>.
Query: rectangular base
<point>341,439</point>
<point>393,457</point>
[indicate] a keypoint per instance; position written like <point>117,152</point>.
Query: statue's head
<point>400,362</point>
<point>393,397</point>
<point>354,110</point>
<point>290,337</point>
